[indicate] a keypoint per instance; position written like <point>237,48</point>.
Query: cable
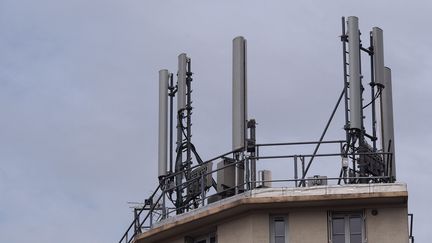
<point>378,94</point>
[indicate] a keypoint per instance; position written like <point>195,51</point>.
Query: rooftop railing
<point>156,209</point>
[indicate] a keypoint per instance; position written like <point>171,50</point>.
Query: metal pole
<point>372,84</point>
<point>252,137</point>
<point>151,215</point>
<point>303,170</point>
<point>189,113</point>
<point>295,171</point>
<point>322,136</point>
<point>163,203</point>
<point>344,41</point>
<point>202,190</point>
<point>247,180</point>
<point>171,94</point>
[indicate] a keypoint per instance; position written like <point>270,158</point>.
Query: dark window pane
<point>279,228</point>
<point>356,238</point>
<point>355,225</point>
<point>338,226</point>
<point>213,240</point>
<point>338,238</point>
<point>279,239</point>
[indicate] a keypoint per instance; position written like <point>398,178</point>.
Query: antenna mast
<point>366,161</point>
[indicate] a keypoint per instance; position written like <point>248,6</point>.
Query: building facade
<point>335,213</point>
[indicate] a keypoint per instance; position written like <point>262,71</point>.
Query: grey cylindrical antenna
<point>354,73</point>
<point>163,122</point>
<point>239,99</point>
<point>181,82</point>
<point>378,55</point>
<point>387,129</point>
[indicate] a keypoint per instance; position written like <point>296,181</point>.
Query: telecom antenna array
<point>361,145</point>
<point>187,182</point>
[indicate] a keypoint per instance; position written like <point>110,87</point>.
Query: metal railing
<point>153,205</point>
<point>411,222</point>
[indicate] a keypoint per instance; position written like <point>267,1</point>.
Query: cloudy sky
<point>78,97</point>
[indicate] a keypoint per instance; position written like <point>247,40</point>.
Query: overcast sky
<point>78,97</point>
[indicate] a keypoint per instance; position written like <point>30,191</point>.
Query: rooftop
<point>286,197</point>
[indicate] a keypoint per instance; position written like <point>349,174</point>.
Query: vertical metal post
<point>295,171</point>
<point>136,221</point>
<point>171,95</point>
<point>247,179</point>
<point>202,190</point>
<point>163,203</point>
<point>372,84</point>
<point>302,159</point>
<point>252,139</point>
<point>151,214</point>
<point>411,221</point>
<point>236,174</point>
<point>189,113</point>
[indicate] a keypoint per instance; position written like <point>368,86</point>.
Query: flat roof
<point>284,197</point>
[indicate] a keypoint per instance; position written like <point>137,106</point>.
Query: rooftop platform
<point>272,198</point>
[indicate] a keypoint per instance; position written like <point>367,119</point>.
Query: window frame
<point>207,238</point>
<point>272,220</point>
<point>347,216</point>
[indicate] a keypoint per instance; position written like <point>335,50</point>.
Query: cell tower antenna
<point>354,74</point>
<point>387,123</point>
<point>239,95</point>
<point>163,122</point>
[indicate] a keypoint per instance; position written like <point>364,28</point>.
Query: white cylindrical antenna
<point>378,55</point>
<point>239,98</point>
<point>387,128</point>
<point>181,82</point>
<point>354,73</point>
<point>163,122</point>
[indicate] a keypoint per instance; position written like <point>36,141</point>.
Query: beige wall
<point>178,240</point>
<point>250,228</point>
<point>390,225</point>
<point>260,228</point>
<point>307,226</point>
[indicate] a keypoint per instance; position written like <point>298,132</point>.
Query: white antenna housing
<point>378,55</point>
<point>239,99</point>
<point>181,82</point>
<point>387,127</point>
<point>354,73</point>
<point>163,122</point>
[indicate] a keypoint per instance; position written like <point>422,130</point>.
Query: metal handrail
<point>125,235</point>
<point>411,222</point>
<point>298,143</point>
<point>129,236</point>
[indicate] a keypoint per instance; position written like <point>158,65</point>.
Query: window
<point>346,227</point>
<point>278,229</point>
<point>208,238</point>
